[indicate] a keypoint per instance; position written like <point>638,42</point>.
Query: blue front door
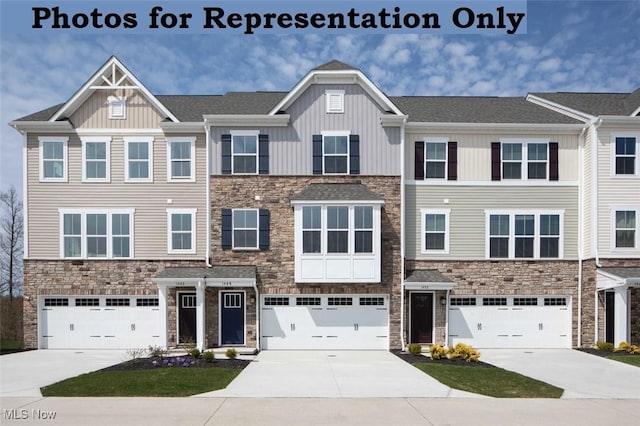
<point>232,318</point>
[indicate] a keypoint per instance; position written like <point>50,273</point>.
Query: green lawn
<point>627,359</point>
<point>173,381</point>
<point>494,382</point>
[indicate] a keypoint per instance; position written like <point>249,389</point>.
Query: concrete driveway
<point>24,373</point>
<point>333,374</point>
<point>581,375</point>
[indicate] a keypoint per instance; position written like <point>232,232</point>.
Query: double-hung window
<point>97,235</point>
<point>499,235</point>
<point>121,235</point>
<point>337,229</point>
<point>335,150</point>
<point>363,233</point>
<point>549,236</point>
<point>181,159</point>
<point>311,229</point>
<point>625,155</point>
<point>524,235</point>
<point>72,235</point>
<point>512,161</point>
<point>95,162</point>
<point>245,229</point>
<point>244,153</point>
<point>181,231</point>
<point>625,228</point>
<point>435,231</point>
<point>92,233</point>
<point>53,158</point>
<point>537,161</point>
<point>525,160</point>
<point>138,159</point>
<point>435,160</point>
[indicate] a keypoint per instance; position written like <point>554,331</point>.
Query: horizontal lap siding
<point>467,216</point>
<point>150,200</point>
<point>587,199</point>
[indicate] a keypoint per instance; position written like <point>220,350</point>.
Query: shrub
<point>437,351</point>
<point>414,348</point>
<point>464,351</point>
<point>604,346</point>
<point>623,347</point>
<point>156,351</point>
<point>208,356</point>
<point>194,353</point>
<point>231,353</point>
<point>135,353</point>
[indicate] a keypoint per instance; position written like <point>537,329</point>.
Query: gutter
<point>580,228</point>
<point>207,135</point>
<point>402,226</point>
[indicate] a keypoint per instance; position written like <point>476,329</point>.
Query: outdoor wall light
<point>443,300</point>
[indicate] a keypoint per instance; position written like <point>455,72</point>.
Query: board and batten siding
<point>614,191</point>
<point>467,216</point>
<point>290,148</point>
<point>94,112</point>
<point>150,200</point>
<point>474,153</point>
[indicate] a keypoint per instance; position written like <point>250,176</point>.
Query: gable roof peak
<point>335,65</point>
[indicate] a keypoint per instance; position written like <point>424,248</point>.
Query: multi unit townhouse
<point>331,216</point>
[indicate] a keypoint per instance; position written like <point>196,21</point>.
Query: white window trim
<point>193,213</point>
<point>346,133</point>
<point>142,139</point>
<point>83,231</point>
<point>615,135</point>
<point>96,139</point>
<point>524,170</point>
<point>191,140</point>
<point>636,246</point>
<point>233,228</point>
<point>329,94</point>
<point>255,133</point>
<point>65,165</point>
<point>536,235</point>
<point>445,141</point>
<point>423,238</point>
<point>111,100</point>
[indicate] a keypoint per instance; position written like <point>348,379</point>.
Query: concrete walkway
<point>334,374</point>
<point>581,375</point>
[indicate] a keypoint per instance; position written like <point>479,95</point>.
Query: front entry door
<point>421,318</point>
<point>186,318</point>
<point>232,318</point>
<point>609,321</point>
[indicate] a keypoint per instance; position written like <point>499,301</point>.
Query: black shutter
<point>419,161</point>
<point>263,237</point>
<point>263,154</point>
<point>452,160</point>
<point>227,229</point>
<point>317,154</point>
<point>226,154</point>
<point>553,160</point>
<point>495,161</point>
<point>354,154</point>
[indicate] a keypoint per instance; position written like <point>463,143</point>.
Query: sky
<point>585,46</point>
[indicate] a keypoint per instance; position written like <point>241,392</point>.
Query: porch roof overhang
<point>215,276</point>
<point>427,279</point>
<point>620,277</point>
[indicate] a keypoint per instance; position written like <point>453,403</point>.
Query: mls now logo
<point>24,414</point>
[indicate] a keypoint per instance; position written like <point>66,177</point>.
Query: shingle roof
<point>623,272</point>
<point>42,115</point>
<point>192,108</point>
<point>213,272</point>
<point>596,103</point>
<point>336,192</point>
<point>335,65</point>
<point>427,276</point>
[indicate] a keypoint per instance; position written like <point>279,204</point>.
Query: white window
<point>138,159</point>
<point>244,152</point>
<point>525,159</point>
<point>117,107</point>
<point>363,225</point>
<point>335,153</point>
<point>181,159</point>
<point>435,231</point>
<point>92,233</point>
<point>53,158</point>
<point>95,159</point>
<point>245,229</point>
<point>435,154</point>
<point>181,237</point>
<point>311,229</point>
<point>524,235</point>
<point>626,154</point>
<point>335,101</point>
<point>625,231</point>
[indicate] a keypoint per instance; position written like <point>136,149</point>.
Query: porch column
<point>621,320</point>
<point>200,315</point>
<point>162,324</point>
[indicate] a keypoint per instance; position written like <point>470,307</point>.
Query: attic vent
<point>335,101</point>
<point>117,107</point>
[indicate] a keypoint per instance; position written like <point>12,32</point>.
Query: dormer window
<point>335,101</point>
<point>117,107</point>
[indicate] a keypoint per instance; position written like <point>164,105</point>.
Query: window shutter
<point>354,154</point>
<point>227,229</point>
<point>263,237</point>
<point>495,161</point>
<point>263,154</point>
<point>317,154</point>
<point>452,160</point>
<point>226,154</point>
<point>553,160</point>
<point>419,161</point>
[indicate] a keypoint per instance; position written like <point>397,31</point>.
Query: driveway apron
<point>581,375</point>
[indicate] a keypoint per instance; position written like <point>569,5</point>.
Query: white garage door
<point>510,322</point>
<point>325,322</point>
<point>98,322</point>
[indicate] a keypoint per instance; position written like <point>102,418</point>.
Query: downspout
<point>580,228</point>
<point>402,220</point>
<point>446,319</point>
<point>208,196</point>
<point>255,288</point>
<point>25,199</point>
<point>593,128</point>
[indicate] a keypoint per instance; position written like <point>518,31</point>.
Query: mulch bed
<point>413,359</point>
<point>604,354</point>
<point>184,361</point>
